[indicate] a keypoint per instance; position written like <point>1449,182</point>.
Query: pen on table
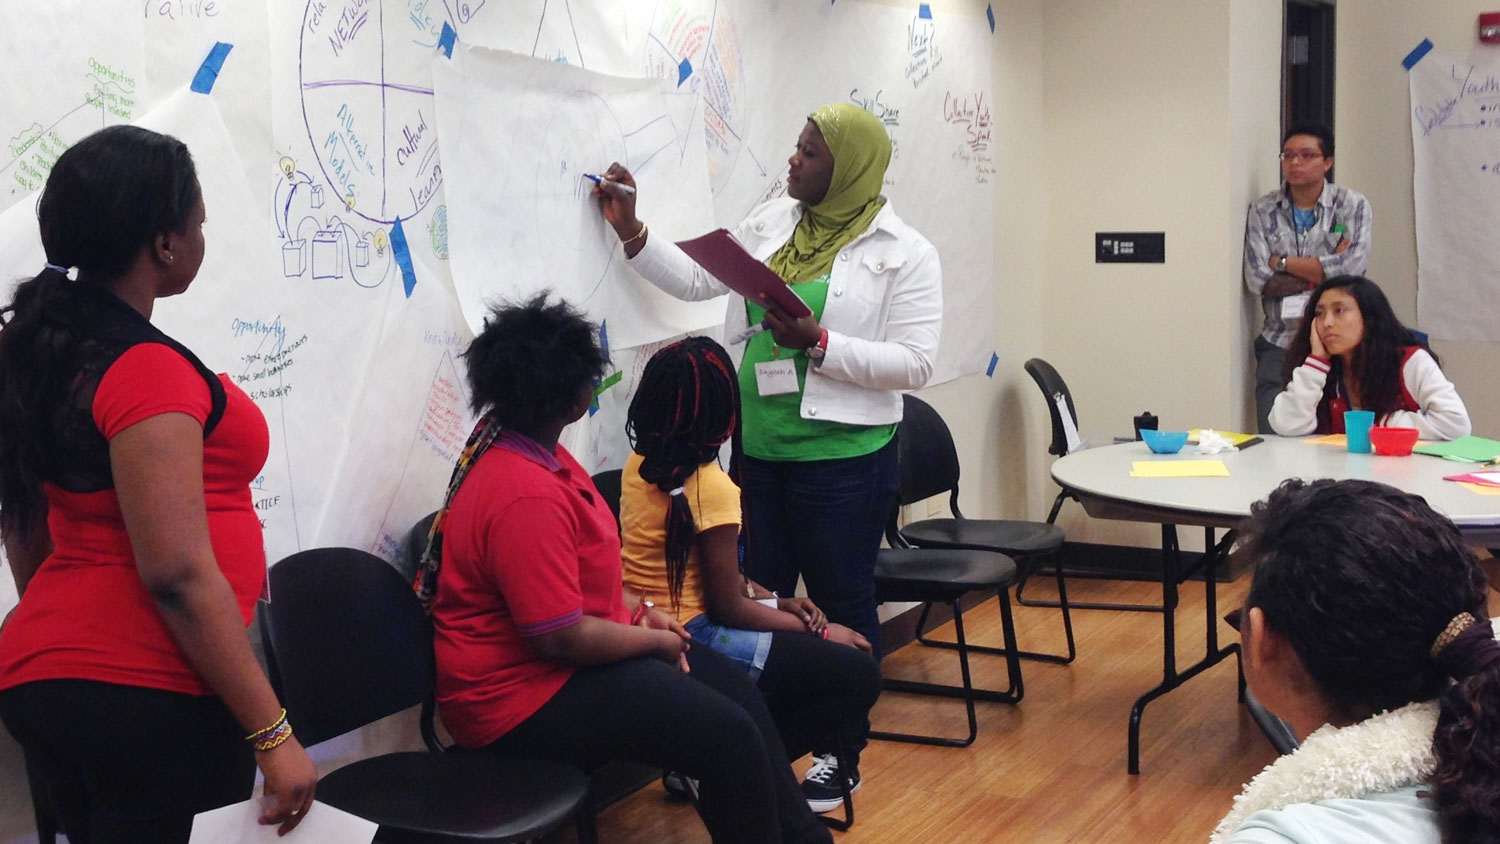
<point>599,180</point>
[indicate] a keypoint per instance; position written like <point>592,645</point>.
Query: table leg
<point>1213,654</point>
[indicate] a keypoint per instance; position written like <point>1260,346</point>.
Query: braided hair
<point>685,408</point>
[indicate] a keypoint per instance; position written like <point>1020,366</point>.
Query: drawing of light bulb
<point>380,243</point>
<point>288,167</point>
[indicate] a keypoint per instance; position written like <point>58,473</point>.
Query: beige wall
<point>1373,135</point>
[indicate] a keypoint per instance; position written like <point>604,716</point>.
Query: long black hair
<point>685,408</point>
<point>1377,359</point>
<point>532,361</point>
<point>106,199</point>
<point>1361,578</point>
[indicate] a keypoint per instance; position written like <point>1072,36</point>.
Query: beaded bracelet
<point>275,725</point>
<point>275,739</point>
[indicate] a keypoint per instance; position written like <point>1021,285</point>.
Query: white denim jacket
<point>883,314</point>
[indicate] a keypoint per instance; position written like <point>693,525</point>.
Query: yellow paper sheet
<point>1179,469</point>
<point>1329,439</point>
<point>1480,489</point>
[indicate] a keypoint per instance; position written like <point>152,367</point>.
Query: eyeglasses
<point>1301,155</point>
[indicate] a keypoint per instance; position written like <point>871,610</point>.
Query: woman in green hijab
<point>820,395</point>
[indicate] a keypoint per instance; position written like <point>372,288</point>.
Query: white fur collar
<point>1383,753</point>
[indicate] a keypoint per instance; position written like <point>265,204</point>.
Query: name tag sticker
<point>776,377</point>
<point>1292,307</point>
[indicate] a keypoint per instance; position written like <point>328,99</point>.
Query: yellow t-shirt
<point>715,502</point>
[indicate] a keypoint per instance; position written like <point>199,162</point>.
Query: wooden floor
<point>1053,767</point>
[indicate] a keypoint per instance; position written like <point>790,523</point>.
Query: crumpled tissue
<point>1212,442</point>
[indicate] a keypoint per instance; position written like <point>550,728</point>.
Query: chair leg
<point>1058,659</point>
<point>967,692</point>
<point>1024,601</point>
<point>841,752</point>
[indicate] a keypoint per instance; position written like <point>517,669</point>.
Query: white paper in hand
<point>238,824</point>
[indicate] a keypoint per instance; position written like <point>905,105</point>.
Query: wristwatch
<point>1281,264</point>
<point>816,351</point>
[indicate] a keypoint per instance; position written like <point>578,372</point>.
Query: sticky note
<point>1480,489</point>
<point>1179,469</point>
<point>1329,439</point>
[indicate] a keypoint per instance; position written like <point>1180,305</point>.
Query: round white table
<point>1100,479</point>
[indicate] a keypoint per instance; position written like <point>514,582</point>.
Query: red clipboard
<point>725,259</point>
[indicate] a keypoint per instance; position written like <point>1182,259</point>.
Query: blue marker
<point>599,180</point>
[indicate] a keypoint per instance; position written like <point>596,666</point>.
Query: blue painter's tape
<point>684,70</point>
<point>989,12</point>
<point>403,257</point>
<point>208,72</point>
<point>604,337</point>
<point>446,40</point>
<point>994,360</point>
<point>924,12</point>
<point>1416,54</point>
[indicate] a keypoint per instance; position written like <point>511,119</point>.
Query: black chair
<point>413,547</point>
<point>609,484</point>
<point>931,576</point>
<point>348,644</point>
<point>929,467</point>
<point>1055,392</point>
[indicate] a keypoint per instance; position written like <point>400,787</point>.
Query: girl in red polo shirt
<point>1354,354</point>
<point>125,471</point>
<point>539,652</point>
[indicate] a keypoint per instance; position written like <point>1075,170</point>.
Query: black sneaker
<point>680,785</point>
<point>821,785</point>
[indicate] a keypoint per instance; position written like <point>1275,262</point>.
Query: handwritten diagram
<point>368,124</point>
<point>695,45</point>
<point>1455,132</point>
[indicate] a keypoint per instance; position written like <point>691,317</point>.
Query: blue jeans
<point>822,520</point>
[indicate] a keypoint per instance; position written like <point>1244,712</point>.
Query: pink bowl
<point>1395,442</point>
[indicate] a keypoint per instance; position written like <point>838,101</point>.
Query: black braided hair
<point>685,408</point>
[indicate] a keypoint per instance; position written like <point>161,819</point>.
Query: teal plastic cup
<point>1357,425</point>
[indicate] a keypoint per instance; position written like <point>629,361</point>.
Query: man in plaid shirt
<point>1305,231</point>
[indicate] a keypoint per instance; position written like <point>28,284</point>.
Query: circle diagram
<point>367,104</point>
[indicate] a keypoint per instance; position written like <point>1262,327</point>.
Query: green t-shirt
<point>774,427</point>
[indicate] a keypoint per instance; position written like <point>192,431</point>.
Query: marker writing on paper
<point>598,180</point>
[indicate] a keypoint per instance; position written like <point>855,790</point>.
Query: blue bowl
<point>1164,442</point>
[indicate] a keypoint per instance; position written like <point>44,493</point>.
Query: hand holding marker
<point>600,180</point>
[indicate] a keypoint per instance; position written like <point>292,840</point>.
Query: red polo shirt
<point>529,547</point>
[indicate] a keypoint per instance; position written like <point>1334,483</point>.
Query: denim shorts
<point>746,647</point>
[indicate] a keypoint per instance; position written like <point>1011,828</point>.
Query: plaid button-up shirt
<point>1269,230</point>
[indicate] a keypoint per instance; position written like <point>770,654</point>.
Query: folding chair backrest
<point>929,460</point>
<point>609,484</point>
<point>1053,387</point>
<point>347,639</point>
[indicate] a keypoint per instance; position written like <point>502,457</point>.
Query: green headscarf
<point>861,151</point>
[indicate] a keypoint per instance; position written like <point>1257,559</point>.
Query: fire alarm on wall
<point>1489,27</point>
